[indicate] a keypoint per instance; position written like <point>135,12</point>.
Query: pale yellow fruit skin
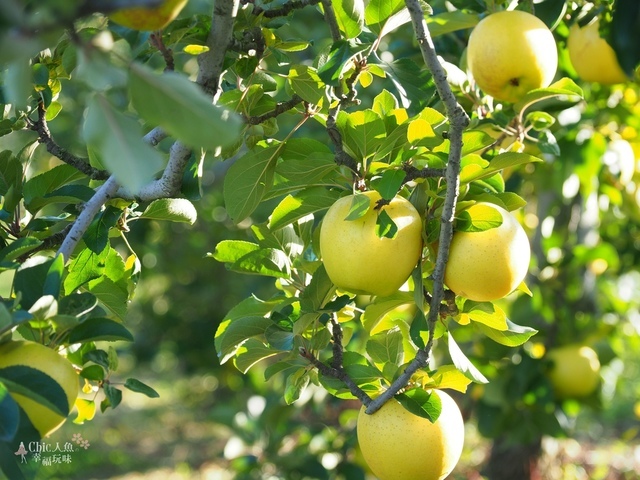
<point>36,355</point>
<point>398,445</point>
<point>575,372</point>
<point>592,57</point>
<point>141,18</point>
<point>357,260</point>
<point>486,266</point>
<point>511,53</point>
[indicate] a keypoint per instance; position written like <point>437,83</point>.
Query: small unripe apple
<point>575,371</point>
<point>357,259</point>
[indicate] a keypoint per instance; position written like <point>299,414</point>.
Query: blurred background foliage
<point>213,422</point>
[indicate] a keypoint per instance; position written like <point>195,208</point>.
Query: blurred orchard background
<point>213,422</point>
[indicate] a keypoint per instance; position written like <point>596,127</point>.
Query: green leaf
<point>386,347</point>
<point>113,395</point>
<point>118,141</point>
<point>360,205</point>
<point>384,103</point>
<point>93,372</point>
<point>84,267</point>
<point>295,384</point>
<point>385,226</point>
<point>230,251</point>
<point>484,218</point>
<point>180,107</point>
<point>10,176</point>
<point>318,292</point>
<point>96,238</point>
<point>41,185</point>
<point>9,415</point>
<point>99,329</point>
<point>18,248</point>
<point>359,369</point>
<point>37,386</point>
<point>389,183</point>
<point>306,83</point>
<point>540,120</point>
<point>475,168</point>
<point>375,312</point>
<point>339,59</point>
<point>462,363</point>
<point>268,262</point>
<point>252,352</point>
<point>486,313</point>
<point>448,22</point>
<point>139,387</point>
<point>111,294</point>
<point>384,16</point>
<point>237,332</point>
<point>172,210</point>
<point>421,403</point>
<point>247,181</point>
<point>624,35</point>
<point>305,202</point>
<point>513,336</point>
<point>30,279</point>
<point>350,16</point>
<point>414,85</point>
<point>564,88</point>
<point>363,132</point>
<point>53,281</point>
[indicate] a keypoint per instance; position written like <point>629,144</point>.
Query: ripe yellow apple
<point>511,53</point>
<point>144,18</point>
<point>488,265</point>
<point>592,57</point>
<point>359,261</point>
<point>46,360</point>
<point>575,372</point>
<point>398,445</point>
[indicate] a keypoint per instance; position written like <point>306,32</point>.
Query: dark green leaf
<point>385,226</point>
<point>39,186</point>
<point>624,34</point>
<point>295,385</point>
<point>306,83</point>
<point>319,290</point>
<point>389,183</point>
<point>99,357</point>
<point>114,396</point>
<point>37,386</point>
<point>421,403</point>
<point>305,202</point>
<point>139,387</point>
<point>9,415</point>
<point>93,372</point>
<point>94,329</point>
<point>360,205</point>
<point>53,281</point>
<point>96,237</point>
<point>18,248</point>
<point>30,279</point>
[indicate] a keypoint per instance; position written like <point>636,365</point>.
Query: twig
<point>342,157</point>
<point>41,127</point>
<point>285,10</point>
<point>414,173</point>
<point>330,18</point>
<point>279,109</point>
<point>336,370</point>
<point>155,39</point>
<point>458,120</point>
<point>51,242</point>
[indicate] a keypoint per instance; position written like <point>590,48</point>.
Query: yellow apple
<point>398,445</point>
<point>511,53</point>
<point>46,360</point>
<point>575,372</point>
<point>359,261</point>
<point>488,265</point>
<point>592,57</point>
<point>144,18</point>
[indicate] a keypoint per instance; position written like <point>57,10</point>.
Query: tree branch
<point>211,63</point>
<point>414,173</point>
<point>342,157</point>
<point>279,109</point>
<point>336,370</point>
<point>458,120</point>
<point>105,192</point>
<point>41,127</point>
<point>332,21</point>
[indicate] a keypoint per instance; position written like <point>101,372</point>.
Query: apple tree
<point>302,104</point>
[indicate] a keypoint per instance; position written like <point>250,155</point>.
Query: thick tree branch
<point>458,120</point>
<point>41,127</point>
<point>212,62</point>
<point>414,173</point>
<point>279,109</point>
<point>104,193</point>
